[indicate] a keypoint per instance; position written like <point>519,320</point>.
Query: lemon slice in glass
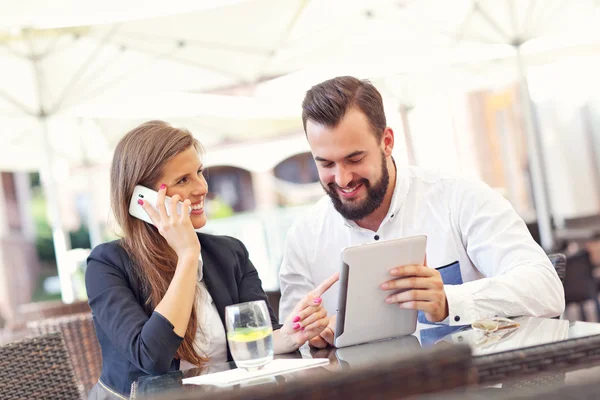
<point>249,334</point>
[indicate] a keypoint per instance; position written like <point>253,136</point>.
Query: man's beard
<point>375,194</point>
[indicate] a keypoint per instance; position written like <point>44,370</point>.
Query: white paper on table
<point>239,375</point>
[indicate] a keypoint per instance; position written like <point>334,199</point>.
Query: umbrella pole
<point>62,242</point>
<point>60,239</point>
<point>535,159</point>
<point>410,148</point>
<point>94,230</point>
<point>91,217</point>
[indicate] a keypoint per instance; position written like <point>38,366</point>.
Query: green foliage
<point>218,209</point>
<point>44,242</point>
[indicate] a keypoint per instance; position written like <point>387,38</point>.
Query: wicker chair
<point>37,368</point>
<point>547,389</point>
<point>82,343</point>
<point>435,370</point>
<point>50,309</point>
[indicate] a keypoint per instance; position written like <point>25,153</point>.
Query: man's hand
<point>421,288</point>
<point>326,337</point>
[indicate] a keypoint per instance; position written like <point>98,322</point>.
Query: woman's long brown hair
<point>139,159</point>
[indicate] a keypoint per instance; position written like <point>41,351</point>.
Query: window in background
<point>299,168</point>
<point>231,185</point>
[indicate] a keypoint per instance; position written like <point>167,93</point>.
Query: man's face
<point>351,163</point>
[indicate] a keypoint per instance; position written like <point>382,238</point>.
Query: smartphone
<point>151,196</point>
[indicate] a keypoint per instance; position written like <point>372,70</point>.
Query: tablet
<point>363,315</point>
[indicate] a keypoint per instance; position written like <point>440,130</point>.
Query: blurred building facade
<point>19,264</point>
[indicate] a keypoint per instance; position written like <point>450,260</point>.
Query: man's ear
<point>387,141</point>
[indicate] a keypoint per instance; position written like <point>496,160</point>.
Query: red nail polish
<point>141,202</point>
<point>296,326</point>
<point>317,300</point>
<point>163,186</point>
<point>302,329</point>
<point>296,319</point>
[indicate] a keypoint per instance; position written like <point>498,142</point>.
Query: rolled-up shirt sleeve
<point>519,277</point>
<point>148,342</point>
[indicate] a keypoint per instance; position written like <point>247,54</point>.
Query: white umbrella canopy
<point>195,51</point>
<point>66,13</point>
<point>55,61</point>
<point>211,46</point>
<point>212,119</point>
<point>88,134</point>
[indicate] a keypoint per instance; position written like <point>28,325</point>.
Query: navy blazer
<point>137,341</point>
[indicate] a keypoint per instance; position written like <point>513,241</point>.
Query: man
<point>492,266</point>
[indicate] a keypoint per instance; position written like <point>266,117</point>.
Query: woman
<point>159,294</point>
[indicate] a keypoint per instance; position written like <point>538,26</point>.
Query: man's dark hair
<point>328,102</point>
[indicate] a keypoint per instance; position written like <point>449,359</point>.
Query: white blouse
<point>210,336</point>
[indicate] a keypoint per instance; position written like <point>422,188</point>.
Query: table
<point>540,347</point>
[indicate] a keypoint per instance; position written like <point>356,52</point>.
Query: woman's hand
<point>309,317</point>
<point>177,230</point>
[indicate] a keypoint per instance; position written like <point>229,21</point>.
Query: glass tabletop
<point>532,332</point>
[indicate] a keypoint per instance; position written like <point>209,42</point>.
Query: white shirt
<point>210,338</point>
<point>504,271</point>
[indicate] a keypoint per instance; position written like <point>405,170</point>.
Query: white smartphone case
<point>150,196</point>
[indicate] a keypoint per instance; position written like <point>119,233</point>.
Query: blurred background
<point>505,91</point>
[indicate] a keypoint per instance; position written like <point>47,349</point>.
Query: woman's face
<point>183,176</point>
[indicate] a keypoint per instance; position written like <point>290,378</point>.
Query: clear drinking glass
<point>250,334</point>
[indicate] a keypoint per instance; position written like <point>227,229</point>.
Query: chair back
<point>37,368</point>
<point>82,343</point>
<point>559,261</point>
<point>50,309</point>
<point>580,284</point>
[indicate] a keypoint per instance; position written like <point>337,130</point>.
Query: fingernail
<point>296,319</point>
<point>394,271</point>
<point>317,300</point>
<point>302,329</point>
<point>388,300</point>
<point>385,286</point>
<point>296,326</point>
<point>163,186</point>
<point>140,202</point>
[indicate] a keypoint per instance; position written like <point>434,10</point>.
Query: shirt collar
<point>400,192</point>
